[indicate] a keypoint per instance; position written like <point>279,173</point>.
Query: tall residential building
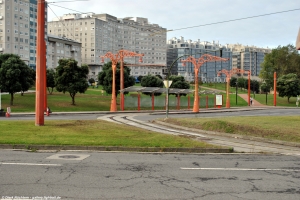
<point>208,71</point>
<point>18,27</point>
<point>248,57</point>
<point>102,33</point>
<point>61,47</point>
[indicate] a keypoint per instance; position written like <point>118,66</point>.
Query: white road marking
<point>240,169</point>
<point>31,164</point>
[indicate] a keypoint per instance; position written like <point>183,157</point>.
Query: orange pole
<point>40,65</point>
<point>249,88</point>
<point>113,104</point>
<point>122,83</point>
<point>275,85</point>
<point>227,93</point>
<point>152,101</point>
<point>196,97</point>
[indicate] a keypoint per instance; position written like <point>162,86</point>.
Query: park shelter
<point>178,98</point>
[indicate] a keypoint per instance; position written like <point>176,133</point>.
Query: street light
<point>168,84</point>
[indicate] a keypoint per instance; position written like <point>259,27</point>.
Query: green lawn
<point>280,101</point>
<point>88,133</point>
<point>285,128</point>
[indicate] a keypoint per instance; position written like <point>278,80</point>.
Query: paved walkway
<point>254,102</point>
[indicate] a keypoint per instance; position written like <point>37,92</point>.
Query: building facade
<point>102,33</point>
<point>61,47</point>
<point>248,58</point>
<point>18,27</point>
<point>208,72</point>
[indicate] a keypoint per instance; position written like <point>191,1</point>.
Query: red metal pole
<point>113,104</point>
<point>152,101</point>
<point>249,88</point>
<point>275,85</point>
<point>40,65</point>
<point>227,93</point>
<point>139,102</point>
<point>196,97</point>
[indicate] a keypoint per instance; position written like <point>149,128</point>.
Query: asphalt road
<point>148,176</point>
<point>148,116</point>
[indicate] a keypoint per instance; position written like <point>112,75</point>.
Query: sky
<point>267,31</point>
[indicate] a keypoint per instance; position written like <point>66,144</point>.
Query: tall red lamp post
<point>228,74</point>
<point>115,58</point>
<point>40,99</point>
<point>198,62</point>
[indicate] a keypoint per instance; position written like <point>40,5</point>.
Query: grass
<point>92,100</point>
<point>285,128</point>
<point>88,133</point>
<point>280,101</point>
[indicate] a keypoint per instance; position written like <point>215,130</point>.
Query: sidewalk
<point>254,102</point>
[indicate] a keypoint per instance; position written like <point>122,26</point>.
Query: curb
<point>35,148</point>
<point>236,136</point>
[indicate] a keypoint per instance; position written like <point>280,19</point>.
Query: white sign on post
<point>219,100</point>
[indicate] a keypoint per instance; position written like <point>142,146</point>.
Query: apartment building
<point>18,23</point>
<point>102,33</point>
<point>248,57</point>
<point>208,71</point>
<point>62,47</point>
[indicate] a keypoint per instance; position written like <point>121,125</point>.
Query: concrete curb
<point>244,137</point>
<point>158,112</point>
<point>34,148</point>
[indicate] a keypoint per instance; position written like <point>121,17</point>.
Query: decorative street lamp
<point>228,77</point>
<point>115,58</point>
<point>197,64</point>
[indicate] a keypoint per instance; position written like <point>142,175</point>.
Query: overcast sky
<point>267,31</point>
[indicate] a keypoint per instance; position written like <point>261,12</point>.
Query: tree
<point>282,60</point>
<point>105,78</point>
<point>179,82</point>
<point>233,81</point>
<point>152,81</point>
<point>140,78</point>
<point>159,76</point>
<point>288,86</point>
<point>241,82</point>
<point>15,75</point>
<point>92,82</point>
<point>50,80</point>
<point>69,77</point>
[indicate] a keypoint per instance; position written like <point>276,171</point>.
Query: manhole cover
<point>68,156</point>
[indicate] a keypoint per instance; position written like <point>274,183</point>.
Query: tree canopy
<point>179,82</point>
<point>152,81</point>
<point>15,75</point>
<point>50,80</point>
<point>288,86</point>
<point>69,77</point>
<point>105,78</point>
<point>282,60</point>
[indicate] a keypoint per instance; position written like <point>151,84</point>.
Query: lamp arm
<point>169,69</point>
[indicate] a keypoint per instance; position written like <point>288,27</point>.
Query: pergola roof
<point>163,90</point>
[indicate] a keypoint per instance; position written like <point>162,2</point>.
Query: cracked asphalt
<point>113,175</point>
